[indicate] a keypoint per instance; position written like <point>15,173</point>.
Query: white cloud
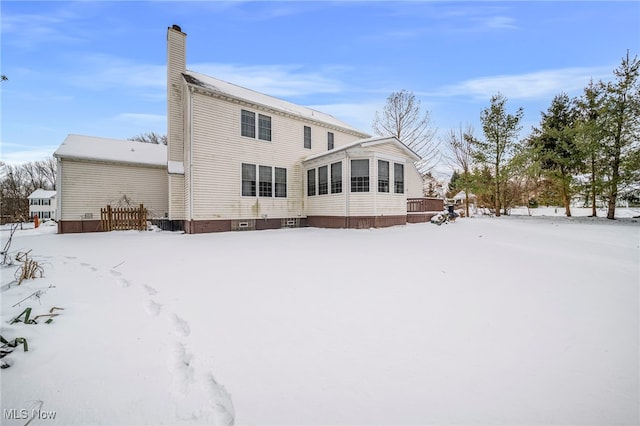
<point>274,80</point>
<point>534,85</point>
<point>358,115</point>
<point>499,22</point>
<point>27,155</point>
<point>144,119</point>
<point>107,72</point>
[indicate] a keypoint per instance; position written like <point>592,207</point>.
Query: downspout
<point>58,191</point>
<point>190,114</point>
<point>347,187</point>
<point>374,163</point>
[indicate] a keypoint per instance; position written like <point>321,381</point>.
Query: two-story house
<point>243,159</point>
<point>42,203</point>
<point>240,159</point>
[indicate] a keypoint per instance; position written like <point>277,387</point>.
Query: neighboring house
<point>42,203</point>
<point>96,172</point>
<point>239,159</point>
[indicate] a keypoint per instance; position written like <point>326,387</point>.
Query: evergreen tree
<point>554,146</point>
<point>500,131</point>
<point>588,139</point>
<point>621,131</point>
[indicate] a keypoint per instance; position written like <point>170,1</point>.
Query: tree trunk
<point>466,201</point>
<point>615,171</point>
<point>566,199</point>
<point>594,213</point>
<point>496,201</point>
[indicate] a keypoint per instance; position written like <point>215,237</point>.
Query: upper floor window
<point>307,137</point>
<point>329,140</point>
<point>248,124</point>
<point>336,177</point>
<point>359,175</point>
<point>311,182</point>
<point>323,181</point>
<point>398,178</point>
<point>383,176</point>
<point>264,127</point>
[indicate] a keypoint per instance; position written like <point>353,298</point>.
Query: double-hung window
<point>359,175</point>
<point>336,177</point>
<point>248,124</point>
<point>311,182</point>
<point>383,176</point>
<point>249,180</point>
<point>398,178</point>
<point>264,127</point>
<point>281,181</point>
<point>323,184</point>
<point>307,137</point>
<point>329,140</point>
<point>265,183</point>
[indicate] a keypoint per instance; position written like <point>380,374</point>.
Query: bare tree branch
<point>403,118</point>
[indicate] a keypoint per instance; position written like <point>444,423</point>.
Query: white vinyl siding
<point>87,187</point>
<point>219,150</point>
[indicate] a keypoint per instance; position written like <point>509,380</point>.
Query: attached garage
<point>94,173</point>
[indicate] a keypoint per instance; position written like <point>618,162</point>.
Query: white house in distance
<point>239,159</point>
<point>42,203</point>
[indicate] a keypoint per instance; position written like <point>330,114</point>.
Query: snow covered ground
<point>501,321</point>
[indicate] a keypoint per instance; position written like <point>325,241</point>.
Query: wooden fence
<point>419,205</point>
<point>119,219</point>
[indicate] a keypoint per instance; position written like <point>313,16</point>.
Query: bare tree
<point>403,118</point>
<point>48,170</point>
<point>459,143</point>
<point>150,137</point>
<point>17,182</point>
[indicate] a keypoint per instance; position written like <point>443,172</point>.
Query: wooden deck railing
<point>419,205</point>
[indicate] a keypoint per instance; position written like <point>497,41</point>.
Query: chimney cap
<point>176,27</point>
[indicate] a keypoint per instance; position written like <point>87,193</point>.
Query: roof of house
<point>112,150</point>
<point>224,88</point>
<point>367,143</point>
<point>42,193</point>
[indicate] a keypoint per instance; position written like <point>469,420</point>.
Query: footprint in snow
<point>124,283</point>
<point>116,273</point>
<point>180,366</point>
<point>152,308</point>
<point>180,326</point>
<point>150,290</point>
<point>220,401</point>
<point>89,266</point>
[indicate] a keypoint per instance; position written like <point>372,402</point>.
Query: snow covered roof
<point>367,143</point>
<point>42,193</point>
<point>115,150</point>
<point>224,88</point>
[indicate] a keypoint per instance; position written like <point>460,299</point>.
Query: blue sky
<point>98,68</point>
